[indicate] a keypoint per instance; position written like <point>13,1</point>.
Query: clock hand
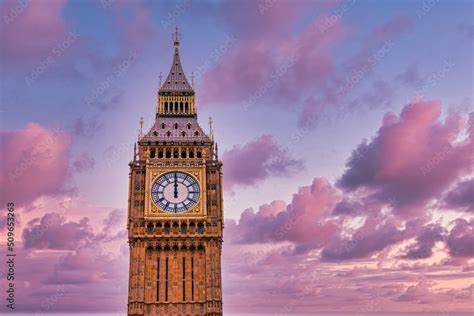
<point>175,186</point>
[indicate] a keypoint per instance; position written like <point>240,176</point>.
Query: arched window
<point>175,125</point>
<point>168,153</point>
<point>200,228</point>
<point>175,154</point>
<point>183,133</point>
<point>191,153</point>
<point>163,125</point>
<point>199,154</point>
<point>189,125</point>
<point>155,133</point>
<point>184,228</point>
<point>166,107</point>
<point>183,154</point>
<point>186,106</point>
<point>152,153</point>
<point>196,133</point>
<point>181,106</point>
<point>168,133</point>
<point>160,153</point>
<point>167,228</point>
<point>150,228</point>
<point>176,106</point>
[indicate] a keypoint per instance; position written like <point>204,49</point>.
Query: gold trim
<point>152,211</point>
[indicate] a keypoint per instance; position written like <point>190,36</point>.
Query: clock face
<point>175,192</point>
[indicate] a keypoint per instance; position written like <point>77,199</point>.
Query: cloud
<point>25,23</point>
<point>337,88</point>
<point>425,242</point>
<point>85,162</point>
<point>410,76</point>
<point>52,231</point>
<point>372,237</point>
<point>461,197</point>
<point>274,58</point>
<point>412,159</point>
<point>263,159</point>
<point>37,163</point>
<point>302,222</point>
<point>460,240</point>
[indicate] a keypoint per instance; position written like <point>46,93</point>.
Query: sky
<point>345,129</point>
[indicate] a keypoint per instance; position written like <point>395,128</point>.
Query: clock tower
<point>175,209</point>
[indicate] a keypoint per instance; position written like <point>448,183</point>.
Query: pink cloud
<point>89,263</point>
<point>263,159</point>
<point>37,163</point>
<point>412,159</point>
<point>276,221</point>
<point>425,242</point>
<point>335,90</point>
<point>372,237</point>
<point>460,240</point>
<point>461,197</point>
<point>52,231</point>
<point>133,21</point>
<point>268,56</point>
<point>33,20</point>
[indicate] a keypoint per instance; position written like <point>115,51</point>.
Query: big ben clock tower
<point>175,209</point>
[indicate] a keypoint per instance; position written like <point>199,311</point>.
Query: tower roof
<point>176,80</point>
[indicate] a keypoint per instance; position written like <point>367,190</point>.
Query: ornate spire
<point>176,37</point>
<point>176,80</point>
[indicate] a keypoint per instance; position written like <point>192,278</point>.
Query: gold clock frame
<point>152,211</point>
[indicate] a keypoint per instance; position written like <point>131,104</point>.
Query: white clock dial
<point>175,192</point>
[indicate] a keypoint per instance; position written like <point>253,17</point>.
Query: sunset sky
<point>346,129</point>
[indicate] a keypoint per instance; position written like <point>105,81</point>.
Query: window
<point>176,106</point>
<point>163,125</point>
<point>160,153</point>
<point>200,228</point>
<point>175,125</point>
<point>199,154</point>
<point>175,154</point>
<point>196,133</point>
<point>167,228</point>
<point>184,279</point>
<point>158,281</point>
<point>150,228</point>
<point>168,153</point>
<point>192,278</point>
<point>183,133</point>
<point>191,153</point>
<point>183,154</point>
<point>166,281</point>
<point>189,125</point>
<point>181,106</point>
<point>166,108</point>
<point>155,133</point>
<point>168,133</point>
<point>152,153</point>
<point>186,106</point>
<point>184,228</point>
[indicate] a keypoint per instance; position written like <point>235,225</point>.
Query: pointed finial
<point>211,132</point>
<point>161,78</point>
<point>176,37</point>
<point>134,151</point>
<point>141,126</point>
<point>217,153</point>
<point>192,79</point>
